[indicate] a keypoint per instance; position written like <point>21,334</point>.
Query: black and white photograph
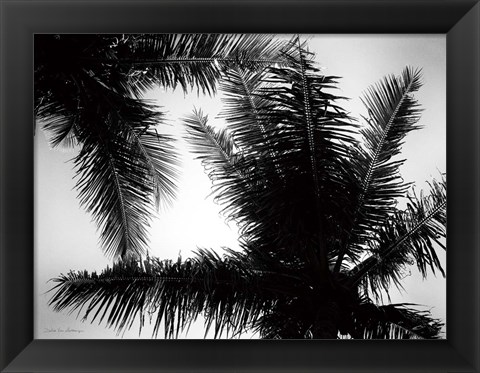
<point>240,186</point>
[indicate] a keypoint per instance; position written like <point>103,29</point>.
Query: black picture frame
<point>458,19</point>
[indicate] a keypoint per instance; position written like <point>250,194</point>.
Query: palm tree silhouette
<point>315,196</point>
<point>88,92</point>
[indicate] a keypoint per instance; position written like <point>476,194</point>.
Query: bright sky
<point>65,237</point>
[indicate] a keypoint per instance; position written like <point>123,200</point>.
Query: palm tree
<point>315,196</point>
<point>88,92</point>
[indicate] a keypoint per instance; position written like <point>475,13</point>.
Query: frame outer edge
<point>16,195</point>
<point>463,52</point>
<point>14,348</point>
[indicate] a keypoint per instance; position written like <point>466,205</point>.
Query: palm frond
<point>189,60</point>
<point>408,238</point>
<point>393,113</point>
<point>83,99</point>
<point>393,321</point>
<point>161,159</point>
<point>230,172</point>
<point>215,149</point>
<point>59,128</point>
<point>121,166</point>
<point>242,104</point>
<point>286,319</point>
<point>130,161</point>
<point>175,293</point>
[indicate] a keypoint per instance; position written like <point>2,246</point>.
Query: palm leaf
<point>242,106</point>
<point>230,172</point>
<point>160,158</point>
<point>175,292</point>
<point>405,239</point>
<point>215,149</point>
<point>113,187</point>
<point>393,321</point>
<point>121,165</point>
<point>393,112</point>
<point>189,60</point>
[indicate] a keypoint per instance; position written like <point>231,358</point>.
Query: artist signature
<point>62,330</point>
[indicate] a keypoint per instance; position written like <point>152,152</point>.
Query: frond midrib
<point>215,142</point>
<point>180,60</point>
<point>122,208</point>
<point>368,178</point>
<point>308,119</point>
